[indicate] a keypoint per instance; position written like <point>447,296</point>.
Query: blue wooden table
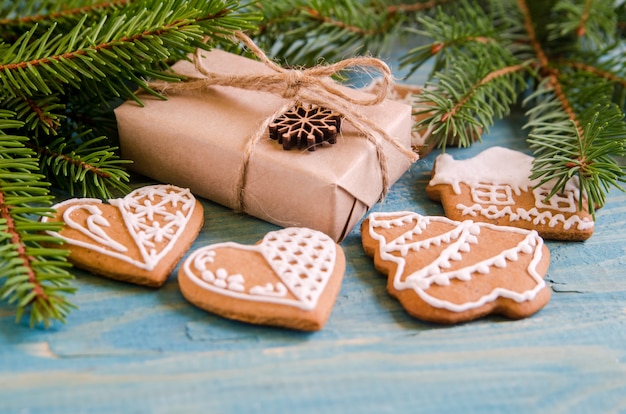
<point>134,349</point>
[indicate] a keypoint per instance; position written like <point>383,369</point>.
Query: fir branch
<point>490,78</point>
<point>94,52</point>
<point>27,12</point>
<point>17,17</point>
<point>474,81</point>
<point>41,115</point>
<point>334,16</point>
<point>594,24</point>
<point>83,166</point>
<point>597,70</point>
<point>533,38</point>
<point>31,276</point>
<point>89,120</point>
<point>415,7</point>
<point>463,106</point>
<point>300,32</point>
<point>581,145</point>
<point>453,32</point>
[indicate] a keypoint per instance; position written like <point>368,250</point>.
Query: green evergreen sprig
<point>31,276</point>
<point>95,168</point>
<point>582,147</point>
<point>302,32</point>
<point>120,47</point>
<point>475,79</point>
<point>477,101</point>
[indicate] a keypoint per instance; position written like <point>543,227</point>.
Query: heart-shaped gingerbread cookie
<point>139,238</point>
<point>291,279</point>
<point>448,271</point>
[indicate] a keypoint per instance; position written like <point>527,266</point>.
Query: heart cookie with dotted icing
<point>493,187</point>
<point>138,239</point>
<point>291,279</point>
<point>447,271</point>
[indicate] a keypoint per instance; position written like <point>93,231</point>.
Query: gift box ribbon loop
<point>313,86</point>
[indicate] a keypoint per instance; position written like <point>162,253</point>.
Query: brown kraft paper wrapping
<point>196,140</point>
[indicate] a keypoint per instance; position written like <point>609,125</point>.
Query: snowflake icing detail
<point>306,126</point>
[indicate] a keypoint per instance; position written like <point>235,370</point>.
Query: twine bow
<point>313,86</point>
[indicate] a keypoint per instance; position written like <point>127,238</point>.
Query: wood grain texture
<point>134,349</point>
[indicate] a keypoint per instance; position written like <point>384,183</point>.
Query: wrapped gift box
<point>196,139</point>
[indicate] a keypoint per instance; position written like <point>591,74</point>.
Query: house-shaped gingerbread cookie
<point>493,187</point>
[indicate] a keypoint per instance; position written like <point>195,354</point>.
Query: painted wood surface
<point>134,349</point>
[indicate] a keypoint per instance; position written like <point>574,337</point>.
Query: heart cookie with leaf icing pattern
<point>291,278</point>
<point>138,239</point>
<point>448,271</point>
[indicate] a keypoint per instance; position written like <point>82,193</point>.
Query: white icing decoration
<point>94,222</point>
<point>222,279</point>
<point>496,166</point>
<point>139,220</point>
<point>565,202</point>
<point>532,215</point>
<point>492,194</point>
<point>278,290</point>
<point>303,259</point>
<point>460,239</point>
<point>493,174</point>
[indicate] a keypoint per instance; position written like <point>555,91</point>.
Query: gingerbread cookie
<point>290,279</point>
<point>138,239</point>
<point>494,187</point>
<point>447,271</point>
